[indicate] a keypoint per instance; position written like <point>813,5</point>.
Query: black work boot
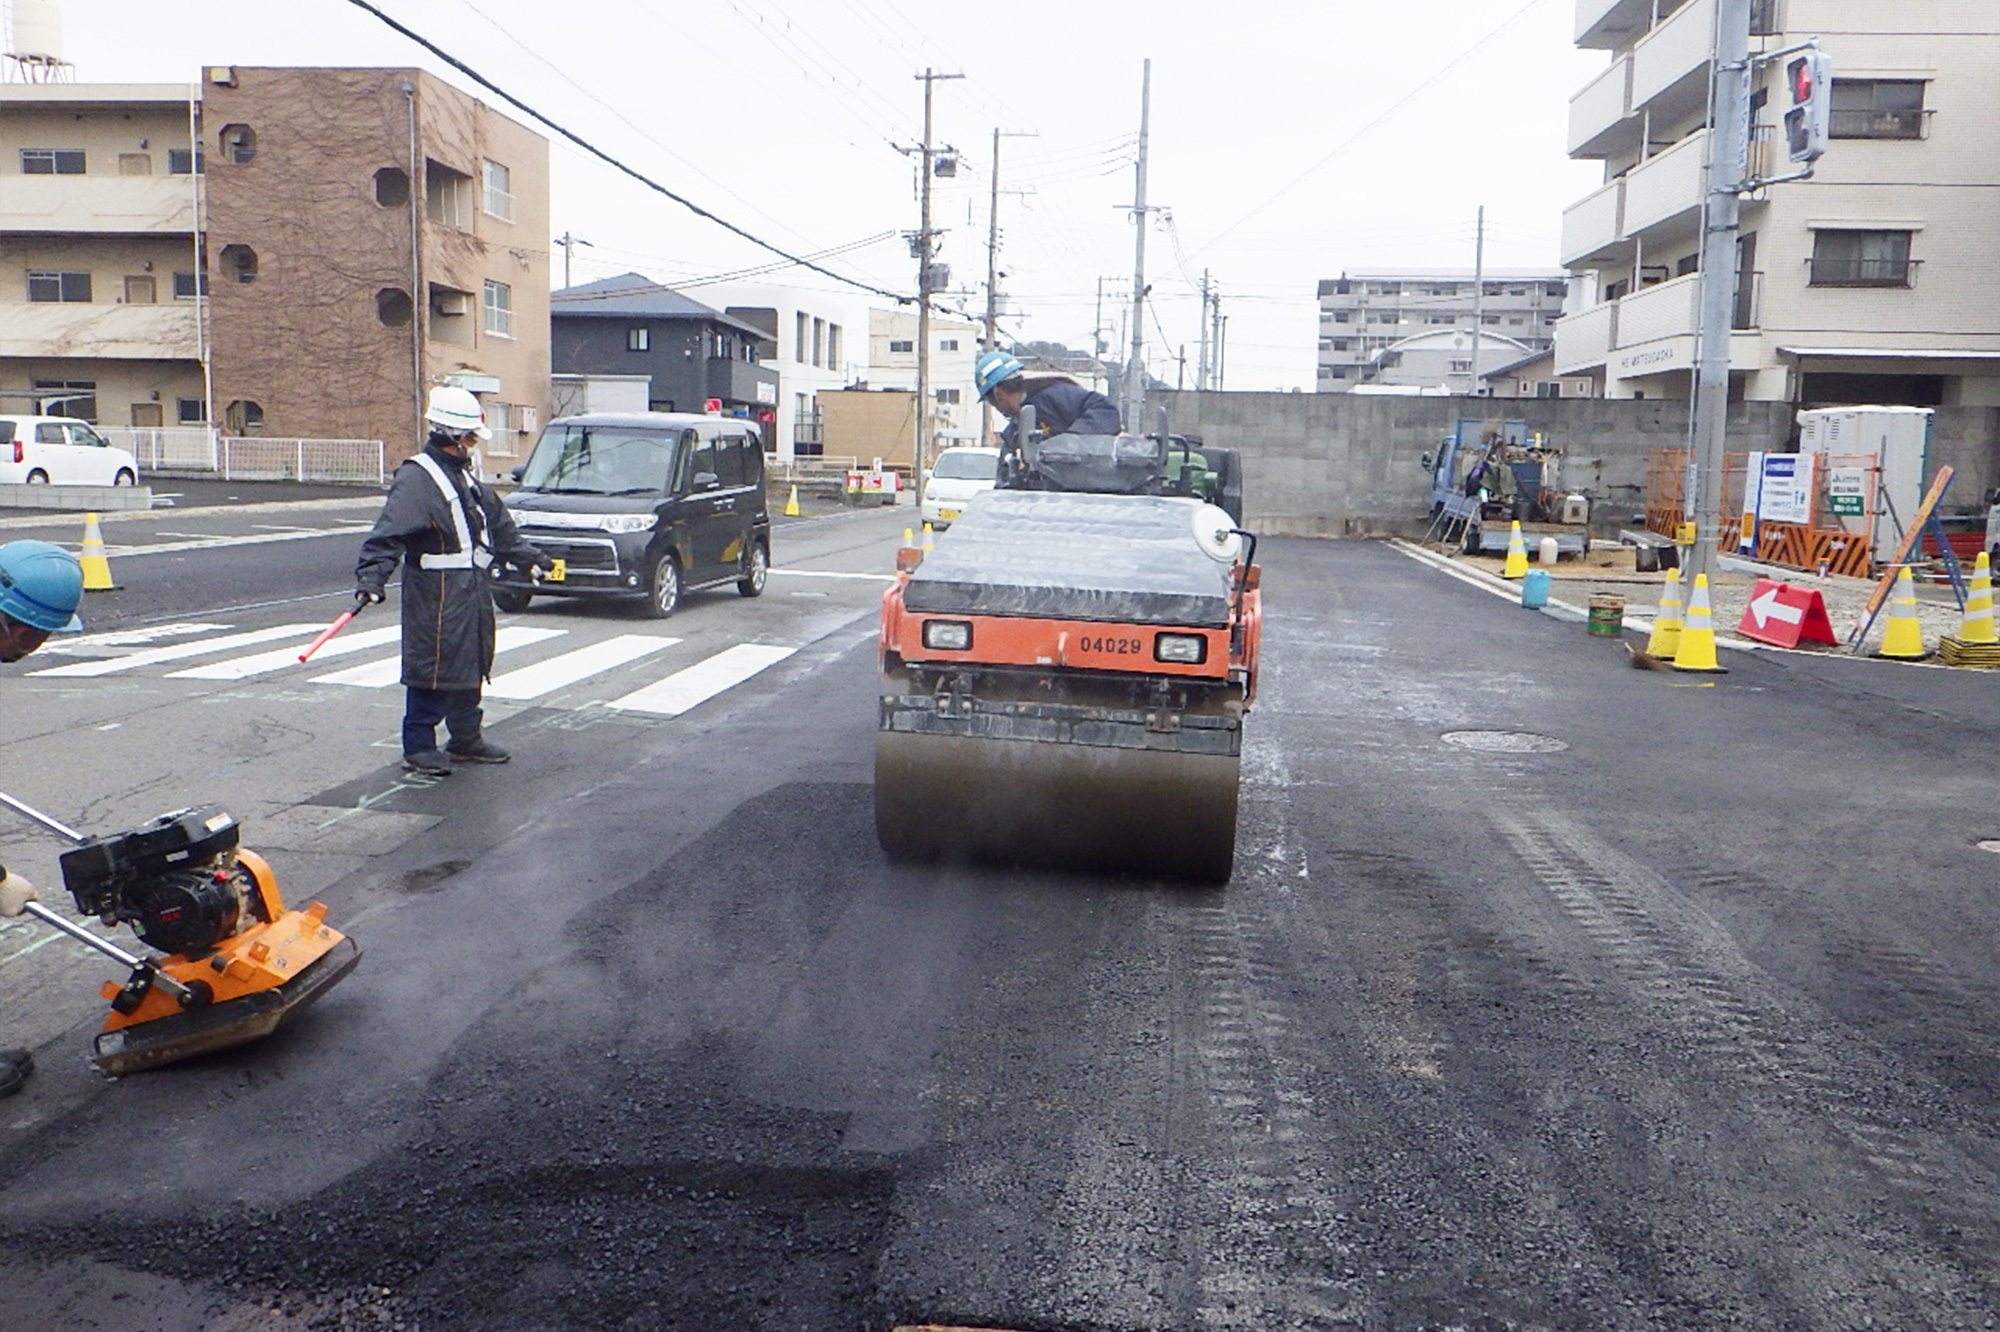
<point>15,1066</point>
<point>476,750</point>
<point>430,763</point>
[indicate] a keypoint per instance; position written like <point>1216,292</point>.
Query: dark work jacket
<point>1064,407</point>
<point>447,613</point>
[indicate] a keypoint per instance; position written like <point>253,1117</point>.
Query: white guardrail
<point>250,458</point>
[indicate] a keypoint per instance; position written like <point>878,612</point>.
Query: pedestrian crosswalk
<point>525,669</point>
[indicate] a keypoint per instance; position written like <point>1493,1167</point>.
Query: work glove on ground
<point>15,893</point>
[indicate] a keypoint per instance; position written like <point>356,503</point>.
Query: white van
<point>56,450</point>
<point>955,476</point>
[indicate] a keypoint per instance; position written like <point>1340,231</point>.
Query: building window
<point>1877,109</point>
<point>638,339</point>
<point>1552,389</point>
<point>901,345</point>
<point>948,396</point>
<point>499,417</point>
<point>395,307</point>
<point>186,162</point>
<point>802,338</point>
<point>1440,319</point>
<point>239,143</point>
<point>496,190</point>
<point>1340,344</point>
<point>51,162</point>
<point>392,187</point>
<point>948,344</point>
<point>1340,317</point>
<point>499,306</point>
<point>1333,371</point>
<point>1459,367</point>
<point>189,285</point>
<point>66,287</point>
<point>833,346</point>
<point>191,411</point>
<point>447,195</point>
<point>240,261</point>
<point>243,417</point>
<point>67,397</point>
<point>1861,259</point>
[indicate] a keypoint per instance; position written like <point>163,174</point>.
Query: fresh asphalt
<point>1548,993</point>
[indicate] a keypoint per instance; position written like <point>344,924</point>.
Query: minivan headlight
<point>627,522</point>
<point>947,635</point>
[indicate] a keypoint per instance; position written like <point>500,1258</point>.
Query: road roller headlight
<point>947,635</point>
<point>1186,649</point>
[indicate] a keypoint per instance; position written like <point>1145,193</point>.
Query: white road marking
<point>389,670</point>
<point>689,688</point>
<point>821,573</point>
<point>198,648</point>
<point>544,676</point>
<point>88,645</point>
<point>241,668</point>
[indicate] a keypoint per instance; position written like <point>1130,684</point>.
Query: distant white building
<point>892,364</point>
<point>814,333</point>
<point>1363,313</point>
<point>1445,361</point>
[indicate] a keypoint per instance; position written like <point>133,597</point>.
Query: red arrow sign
<point>1786,616</point>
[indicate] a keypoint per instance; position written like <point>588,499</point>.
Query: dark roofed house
<point>632,325</point>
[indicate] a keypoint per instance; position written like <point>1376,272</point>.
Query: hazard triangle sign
<point>1786,616</point>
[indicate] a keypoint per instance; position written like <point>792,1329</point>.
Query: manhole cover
<point>1990,844</point>
<point>1504,742</point>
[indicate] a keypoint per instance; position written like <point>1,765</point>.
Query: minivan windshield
<point>603,460</point>
<point>965,465</point>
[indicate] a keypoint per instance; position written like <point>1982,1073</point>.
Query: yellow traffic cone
<point>1517,554</point>
<point>1696,649</point>
<point>1977,626</point>
<point>909,538</point>
<point>1666,637</point>
<point>96,567</point>
<point>792,504</point>
<point>930,541</point>
<point>1903,640</point>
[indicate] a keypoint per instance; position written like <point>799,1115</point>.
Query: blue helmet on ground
<point>995,367</point>
<point>41,586</point>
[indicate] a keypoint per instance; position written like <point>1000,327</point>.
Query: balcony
<point>1670,65</point>
<point>98,205</point>
<point>107,331</point>
<point>1592,227</point>
<point>1666,187</point>
<point>1600,119</point>
<point>1584,340</point>
<point>1663,310</point>
<point>741,381</point>
<point>1606,25</point>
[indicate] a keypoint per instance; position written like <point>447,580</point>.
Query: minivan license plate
<point>559,571</point>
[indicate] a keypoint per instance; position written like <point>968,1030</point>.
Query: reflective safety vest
<point>468,555</point>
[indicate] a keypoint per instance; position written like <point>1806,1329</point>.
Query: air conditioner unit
<point>531,420</point>
<point>451,302</point>
<point>222,76</point>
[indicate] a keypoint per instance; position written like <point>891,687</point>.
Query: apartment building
<point>298,253</point>
<point>1364,313</point>
<point>892,364</point>
<point>1871,282</point>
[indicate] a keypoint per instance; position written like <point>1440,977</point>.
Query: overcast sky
<point>1288,141</point>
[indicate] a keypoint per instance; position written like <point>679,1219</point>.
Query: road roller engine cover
<point>1065,674</point>
<point>238,962</point>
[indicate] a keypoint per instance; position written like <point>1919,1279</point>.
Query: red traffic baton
<point>334,628</point>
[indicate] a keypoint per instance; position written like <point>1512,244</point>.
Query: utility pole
<point>1201,358</point>
<point>1134,395</point>
<point>992,339</point>
<point>568,242</point>
<point>1478,296</point>
<point>1725,173</point>
<point>925,249</point>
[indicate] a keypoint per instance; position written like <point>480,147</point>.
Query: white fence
<point>251,458</point>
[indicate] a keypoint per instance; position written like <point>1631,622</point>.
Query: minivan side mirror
<point>1992,497</point>
<point>706,481</point>
<point>520,469</point>
<point>1427,460</point>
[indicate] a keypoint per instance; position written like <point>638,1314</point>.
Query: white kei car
<point>955,476</point>
<point>56,450</point>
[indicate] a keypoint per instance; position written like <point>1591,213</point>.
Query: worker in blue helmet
<point>1062,406</point>
<point>40,588</point>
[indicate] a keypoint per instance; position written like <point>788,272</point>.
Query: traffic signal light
<point>1809,104</point>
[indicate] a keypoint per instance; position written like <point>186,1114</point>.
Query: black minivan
<point>642,504</point>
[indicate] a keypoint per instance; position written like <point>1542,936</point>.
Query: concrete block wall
<point>1345,465</point>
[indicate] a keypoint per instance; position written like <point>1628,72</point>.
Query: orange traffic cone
<point>1903,640</point>
<point>96,567</point>
<point>1666,637</point>
<point>1517,554</point>
<point>1696,650</point>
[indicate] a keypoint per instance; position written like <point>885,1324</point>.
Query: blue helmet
<point>995,367</point>
<point>40,586</point>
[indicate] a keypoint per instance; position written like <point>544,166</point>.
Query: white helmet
<point>457,411</point>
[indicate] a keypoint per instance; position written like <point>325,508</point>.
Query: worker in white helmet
<point>447,531</point>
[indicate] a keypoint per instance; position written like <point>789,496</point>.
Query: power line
<point>591,148</point>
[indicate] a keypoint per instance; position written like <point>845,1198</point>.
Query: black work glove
<point>535,562</point>
<point>369,596</point>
